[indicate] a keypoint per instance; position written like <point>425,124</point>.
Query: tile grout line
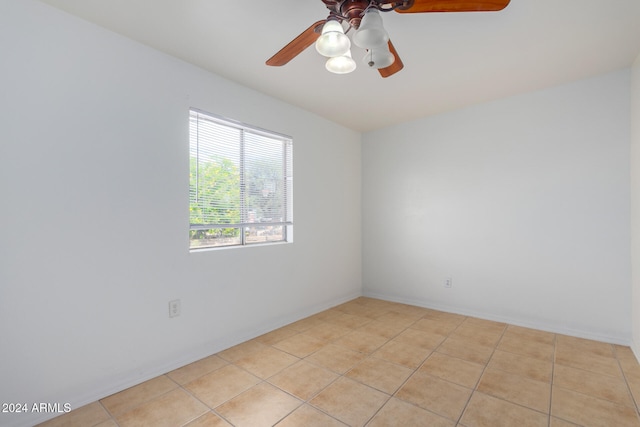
<point>367,355</point>
<point>486,365</point>
<point>601,398</point>
<point>553,370</point>
<point>415,370</point>
<point>186,390</point>
<point>434,350</point>
<point>299,359</point>
<point>304,401</point>
<point>626,381</point>
<point>339,375</point>
<point>457,422</point>
<point>392,395</point>
<point>111,416</point>
<point>114,417</point>
<point>307,401</point>
<point>388,339</point>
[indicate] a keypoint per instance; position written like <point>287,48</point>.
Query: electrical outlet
<point>174,308</point>
<point>448,282</point>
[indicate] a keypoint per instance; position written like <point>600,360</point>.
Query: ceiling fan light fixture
<point>341,64</point>
<point>333,42</point>
<point>379,58</point>
<point>371,33</point>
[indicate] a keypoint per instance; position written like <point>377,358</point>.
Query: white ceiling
<point>451,59</point>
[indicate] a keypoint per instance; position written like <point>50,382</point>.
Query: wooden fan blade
<point>393,68</point>
<point>423,6</point>
<point>297,45</point>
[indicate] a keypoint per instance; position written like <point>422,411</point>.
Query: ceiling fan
<point>363,16</point>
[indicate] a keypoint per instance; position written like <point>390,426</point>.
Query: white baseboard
<point>635,348</point>
<point>89,393</point>
<point>512,321</point>
<point>92,392</point>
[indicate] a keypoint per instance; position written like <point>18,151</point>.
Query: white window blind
<point>241,183</point>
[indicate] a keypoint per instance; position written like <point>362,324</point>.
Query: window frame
<point>287,182</point>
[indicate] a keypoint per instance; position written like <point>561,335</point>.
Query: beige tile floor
<point>377,363</point>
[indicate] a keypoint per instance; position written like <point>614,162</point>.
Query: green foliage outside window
<point>215,197</point>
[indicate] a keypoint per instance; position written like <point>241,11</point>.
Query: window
<point>240,187</point>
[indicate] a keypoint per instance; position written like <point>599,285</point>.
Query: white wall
<point>635,204</point>
<point>94,234</point>
<point>524,202</point>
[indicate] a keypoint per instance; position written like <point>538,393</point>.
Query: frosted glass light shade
<point>333,41</point>
<point>341,64</point>
<point>371,33</point>
<point>379,58</point>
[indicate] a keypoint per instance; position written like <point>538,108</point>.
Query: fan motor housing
<point>352,10</point>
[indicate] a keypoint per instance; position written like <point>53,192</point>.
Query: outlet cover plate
<point>174,308</point>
